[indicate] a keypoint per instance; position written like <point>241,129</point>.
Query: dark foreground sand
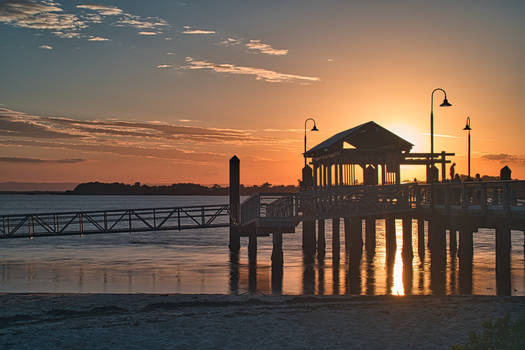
<point>138,321</point>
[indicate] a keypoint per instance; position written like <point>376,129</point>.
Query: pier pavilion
<point>372,150</point>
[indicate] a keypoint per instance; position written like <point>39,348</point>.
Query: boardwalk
<point>485,201</point>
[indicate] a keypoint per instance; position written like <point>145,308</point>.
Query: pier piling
<point>390,228</point>
<point>503,248</point>
<point>407,237</point>
<point>235,203</point>
<point>321,239</point>
<point>336,240</point>
<point>370,236</point>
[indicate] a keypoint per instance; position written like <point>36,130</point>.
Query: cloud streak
<point>188,30</point>
<point>102,9</point>
<point>46,47</point>
<point>18,160</point>
<point>267,49</point>
<point>259,73</point>
<point>505,158</point>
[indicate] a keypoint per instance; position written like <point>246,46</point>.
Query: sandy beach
<point>145,321</point>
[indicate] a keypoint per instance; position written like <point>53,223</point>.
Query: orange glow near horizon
<point>174,107</point>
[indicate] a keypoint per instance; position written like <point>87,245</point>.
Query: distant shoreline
<point>138,189</point>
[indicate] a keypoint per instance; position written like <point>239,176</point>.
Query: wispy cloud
<point>230,41</point>
<point>37,160</point>
<point>505,158</point>
<point>125,138</point>
<point>98,38</point>
<point>43,14</point>
<point>67,35</point>
<point>259,73</point>
<point>141,23</point>
<point>189,30</point>
<point>46,47</point>
<point>164,66</point>
<point>148,33</point>
<point>261,47</point>
<point>102,9</point>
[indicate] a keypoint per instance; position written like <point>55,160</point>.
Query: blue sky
<point>258,68</point>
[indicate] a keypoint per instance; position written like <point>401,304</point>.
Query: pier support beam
<point>336,241</point>
<point>407,237</point>
<point>465,254</point>
<point>309,237</point>
<point>438,255</point>
<point>346,222</point>
<point>503,248</point>
<point>321,239</point>
<point>421,237</point>
<point>390,238</point>
<point>370,227</point>
<point>277,263</point>
<point>235,203</point>
<point>356,234</point>
<point>252,247</point>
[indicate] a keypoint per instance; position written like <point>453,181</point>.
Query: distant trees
<point>117,188</point>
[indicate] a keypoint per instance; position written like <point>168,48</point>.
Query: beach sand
<point>145,321</point>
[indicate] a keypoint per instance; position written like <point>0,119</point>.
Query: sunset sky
<point>165,91</point>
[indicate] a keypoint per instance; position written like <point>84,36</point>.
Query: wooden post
<point>277,263</point>
<point>252,247</point>
<point>503,248</point>
<point>443,167</point>
<point>356,234</point>
<point>407,237</point>
<point>309,237</point>
<point>438,260</point>
<point>421,237</point>
<point>321,239</point>
<point>347,233</point>
<point>390,228</point>
<point>235,203</point>
<point>370,226</point>
<point>466,242</point>
<point>336,241</point>
<point>277,250</point>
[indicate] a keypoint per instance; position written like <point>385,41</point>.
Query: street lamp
<point>313,129</point>
<point>445,103</point>
<point>467,127</point>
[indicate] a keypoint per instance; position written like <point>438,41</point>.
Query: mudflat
<point>182,321</point>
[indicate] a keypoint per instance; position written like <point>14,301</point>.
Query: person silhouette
<point>452,171</point>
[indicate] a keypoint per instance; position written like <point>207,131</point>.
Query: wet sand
<point>146,321</point>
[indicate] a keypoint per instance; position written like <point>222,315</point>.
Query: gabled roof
<point>368,136</point>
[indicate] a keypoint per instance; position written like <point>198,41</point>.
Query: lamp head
<point>315,128</point>
<point>445,103</point>
<point>467,126</point>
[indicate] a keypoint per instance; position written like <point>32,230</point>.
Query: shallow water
<point>198,261</point>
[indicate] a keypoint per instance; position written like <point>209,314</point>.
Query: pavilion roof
<point>368,136</point>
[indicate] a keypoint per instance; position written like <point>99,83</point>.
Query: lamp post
<point>313,129</point>
<point>445,103</point>
<point>467,127</point>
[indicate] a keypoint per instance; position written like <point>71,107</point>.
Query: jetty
<point>351,181</point>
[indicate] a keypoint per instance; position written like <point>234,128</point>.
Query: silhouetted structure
<point>373,149</point>
<point>505,173</point>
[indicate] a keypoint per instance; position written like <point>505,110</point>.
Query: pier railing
<point>113,221</point>
<point>501,198</point>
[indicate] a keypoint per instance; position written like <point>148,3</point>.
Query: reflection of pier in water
<point>357,270</point>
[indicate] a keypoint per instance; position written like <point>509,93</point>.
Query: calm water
<point>198,261</point>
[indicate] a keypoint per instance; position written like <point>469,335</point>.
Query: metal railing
<point>113,221</point>
<point>499,196</point>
